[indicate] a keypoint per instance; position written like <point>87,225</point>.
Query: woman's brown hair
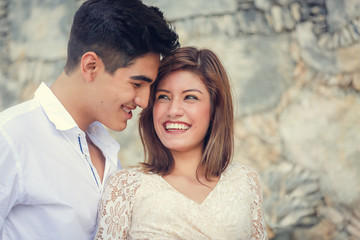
<point>219,140</point>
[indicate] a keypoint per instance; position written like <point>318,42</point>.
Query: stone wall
<point>295,71</point>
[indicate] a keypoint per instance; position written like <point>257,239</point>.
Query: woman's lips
<point>176,126</point>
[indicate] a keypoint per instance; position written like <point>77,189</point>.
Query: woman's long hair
<point>219,140</point>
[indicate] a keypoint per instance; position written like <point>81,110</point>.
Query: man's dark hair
<point>118,31</point>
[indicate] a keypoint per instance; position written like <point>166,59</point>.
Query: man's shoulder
<point>19,113</point>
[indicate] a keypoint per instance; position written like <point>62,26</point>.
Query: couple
<point>56,156</point>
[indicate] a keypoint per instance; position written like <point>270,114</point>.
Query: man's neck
<point>68,90</point>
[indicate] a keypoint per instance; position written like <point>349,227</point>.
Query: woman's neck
<point>186,164</point>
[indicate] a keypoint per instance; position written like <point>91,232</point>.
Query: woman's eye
<point>162,97</point>
<point>191,97</point>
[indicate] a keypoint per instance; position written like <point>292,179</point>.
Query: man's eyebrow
<point>142,78</point>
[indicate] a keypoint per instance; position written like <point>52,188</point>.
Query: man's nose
<point>142,98</point>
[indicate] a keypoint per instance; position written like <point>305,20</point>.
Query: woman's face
<point>181,111</point>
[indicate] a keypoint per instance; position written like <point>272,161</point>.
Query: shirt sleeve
<point>259,231</point>
<point>11,179</point>
<point>114,215</point>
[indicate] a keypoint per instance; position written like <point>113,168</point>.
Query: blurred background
<point>294,67</point>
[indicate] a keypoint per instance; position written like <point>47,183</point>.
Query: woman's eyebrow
<point>162,90</point>
<point>193,90</point>
<point>185,91</point>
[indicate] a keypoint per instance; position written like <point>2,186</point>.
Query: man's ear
<point>90,65</point>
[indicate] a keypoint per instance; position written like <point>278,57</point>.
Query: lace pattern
<point>114,215</point>
<point>258,223</point>
<point>144,206</point>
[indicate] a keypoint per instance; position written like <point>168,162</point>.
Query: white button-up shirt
<point>49,188</point>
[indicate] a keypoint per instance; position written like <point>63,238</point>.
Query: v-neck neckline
<point>206,199</point>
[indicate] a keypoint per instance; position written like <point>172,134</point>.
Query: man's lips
<point>128,111</point>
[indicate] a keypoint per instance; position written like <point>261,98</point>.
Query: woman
<point>187,188</point>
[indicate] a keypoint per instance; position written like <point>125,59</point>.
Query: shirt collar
<point>102,138</point>
<point>54,110</point>
<point>63,121</point>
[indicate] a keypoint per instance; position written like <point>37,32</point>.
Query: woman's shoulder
<point>237,172</point>
<point>125,176</point>
<point>239,168</point>
<point>127,172</point>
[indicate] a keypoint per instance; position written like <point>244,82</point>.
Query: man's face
<point>118,94</point>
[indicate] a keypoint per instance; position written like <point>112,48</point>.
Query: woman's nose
<point>176,109</point>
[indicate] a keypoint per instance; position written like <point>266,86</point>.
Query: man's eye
<point>137,85</point>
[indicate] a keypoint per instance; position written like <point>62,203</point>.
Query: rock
<point>291,198</point>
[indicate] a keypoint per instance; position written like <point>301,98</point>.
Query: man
<point>55,154</point>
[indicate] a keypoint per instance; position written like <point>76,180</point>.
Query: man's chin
<point>117,128</point>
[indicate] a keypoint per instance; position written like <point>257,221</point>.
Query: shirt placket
<point>86,155</point>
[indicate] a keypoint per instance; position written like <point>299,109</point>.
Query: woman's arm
<point>114,214</point>
<point>258,223</point>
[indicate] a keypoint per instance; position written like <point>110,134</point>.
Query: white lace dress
<point>136,205</point>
